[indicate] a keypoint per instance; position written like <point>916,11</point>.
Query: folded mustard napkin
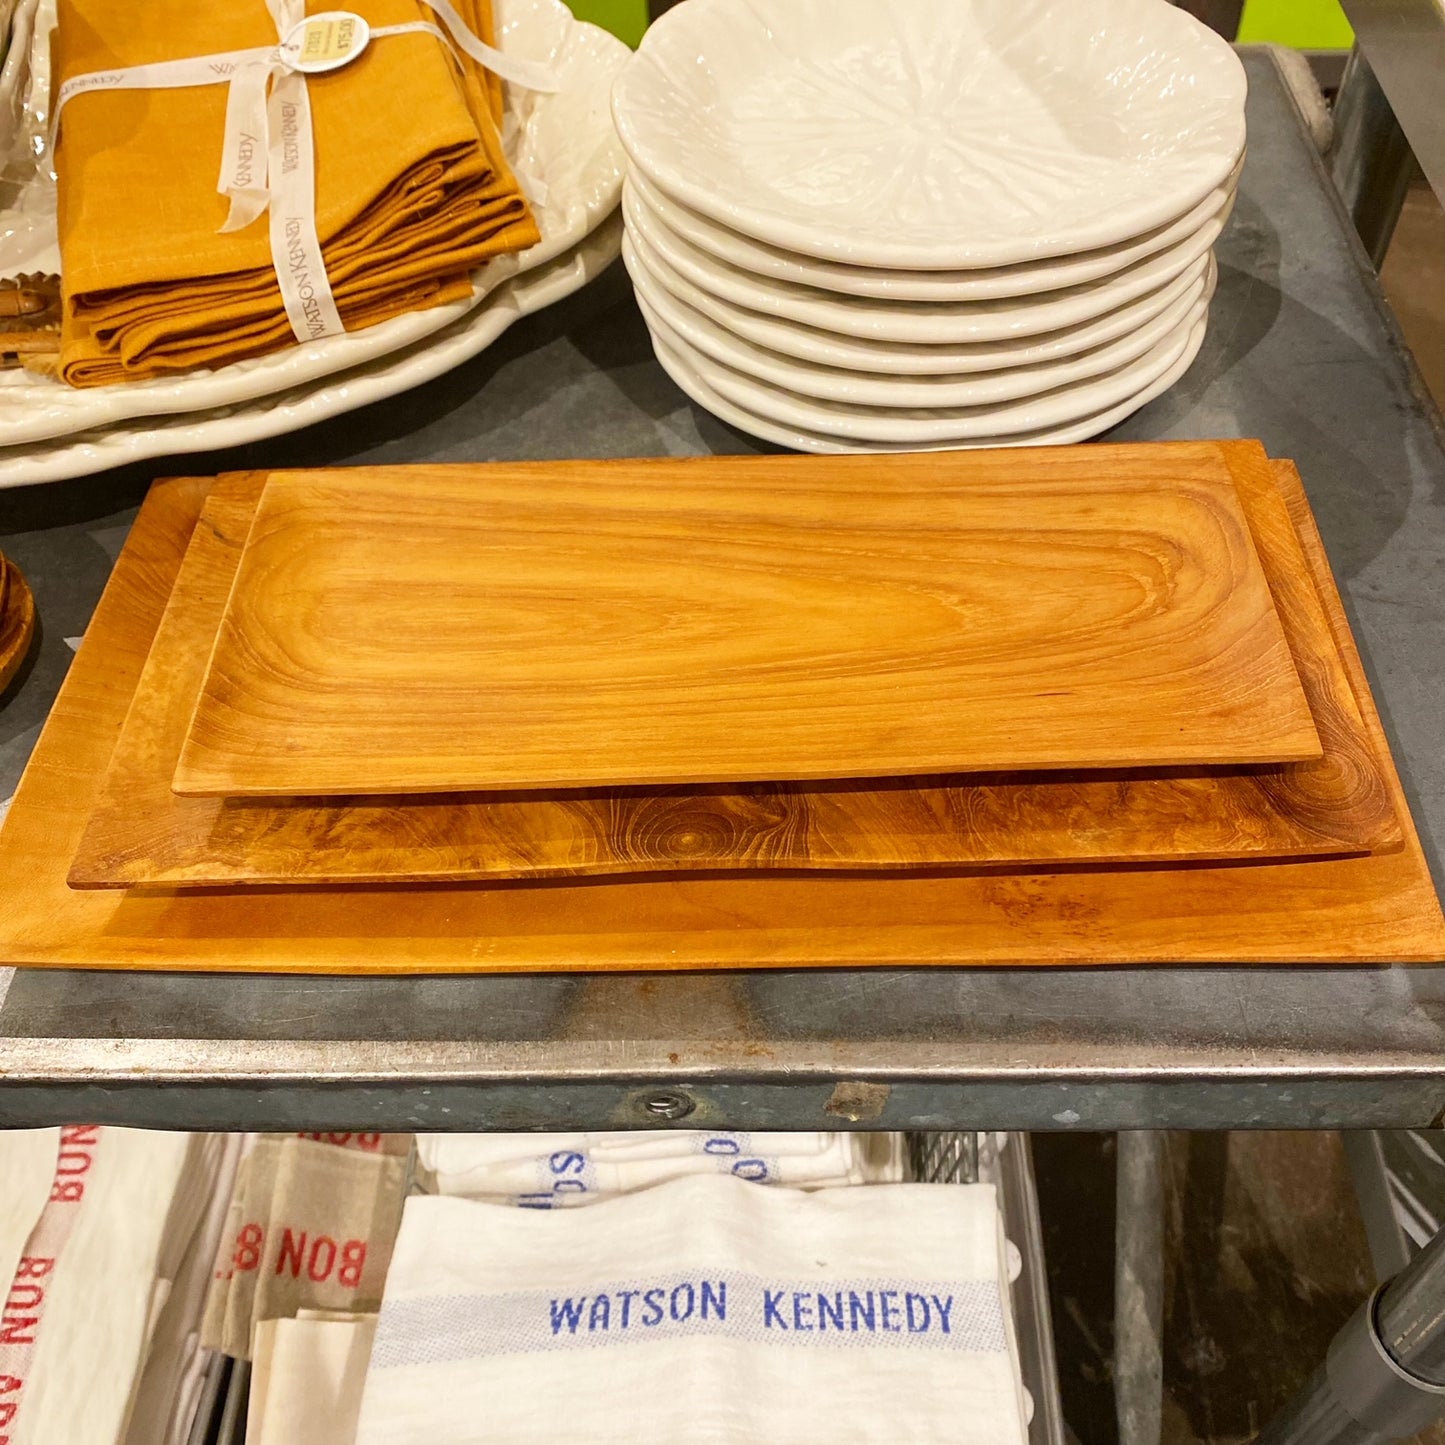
<point>412,188</point>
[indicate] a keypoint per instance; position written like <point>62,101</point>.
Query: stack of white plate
<point>856,225</point>
<point>566,154</point>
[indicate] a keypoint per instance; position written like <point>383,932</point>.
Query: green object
<point>1307,24</point>
<point>626,19</point>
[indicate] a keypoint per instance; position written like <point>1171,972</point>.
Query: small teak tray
<point>651,623</point>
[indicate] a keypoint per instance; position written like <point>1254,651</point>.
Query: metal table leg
<point>1371,163</point>
<point>1139,1286</point>
<point>1384,1376</point>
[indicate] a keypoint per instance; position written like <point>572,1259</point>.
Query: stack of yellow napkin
<point>412,189</point>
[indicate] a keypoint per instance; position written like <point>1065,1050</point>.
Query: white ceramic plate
<point>117,444</point>
<point>566,140</point>
<point>808,441</point>
<point>918,322</point>
<point>934,135</point>
<point>827,348</point>
<point>862,388</point>
<point>922,427</point>
<point>979,285</point>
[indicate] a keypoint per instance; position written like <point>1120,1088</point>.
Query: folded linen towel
<point>97,1271</point>
<point>700,1311</point>
<point>457,1153</point>
<point>307,1378</point>
<point>170,1386</point>
<point>412,188</point>
<point>543,1171</point>
<point>27,1169</point>
<point>310,1227</point>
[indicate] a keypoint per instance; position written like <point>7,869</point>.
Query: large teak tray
<point>1380,908</point>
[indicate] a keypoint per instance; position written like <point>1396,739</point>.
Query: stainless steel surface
<point>1405,43</point>
<point>1301,353</point>
<point>1139,1287</point>
<point>1370,161</point>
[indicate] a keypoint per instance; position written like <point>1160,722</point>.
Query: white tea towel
<point>576,1174</point>
<point>460,1153</point>
<point>307,1379</point>
<point>95,1277</point>
<point>27,1168</point>
<point>543,1171</point>
<point>700,1312</point>
<point>658,1143</point>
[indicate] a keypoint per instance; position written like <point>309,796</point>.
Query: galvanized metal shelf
<point>1301,352</point>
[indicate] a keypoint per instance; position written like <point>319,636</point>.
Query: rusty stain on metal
<point>857,1101</point>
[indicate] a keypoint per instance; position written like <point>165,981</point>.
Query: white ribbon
<point>268,152</point>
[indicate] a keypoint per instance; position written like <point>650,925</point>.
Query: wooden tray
<point>17,621</point>
<point>604,624</point>
<point>1376,909</point>
<point>142,832</point>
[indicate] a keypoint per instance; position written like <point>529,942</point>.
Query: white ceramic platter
<point>800,440</point>
<point>117,444</point>
<point>918,322</point>
<point>861,388</point>
<point>565,140</point>
<point>980,285</point>
<point>827,348</point>
<point>939,136</point>
<point>921,427</point>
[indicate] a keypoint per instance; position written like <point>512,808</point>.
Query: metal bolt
<point>669,1106</point>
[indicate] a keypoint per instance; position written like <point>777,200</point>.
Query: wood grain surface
<point>605,624</point>
<point>143,832</point>
<point>17,620</point>
<point>1376,909</point>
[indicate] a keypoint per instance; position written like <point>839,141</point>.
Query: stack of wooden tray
<point>1062,705</point>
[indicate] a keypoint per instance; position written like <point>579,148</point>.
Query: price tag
<point>326,42</point>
